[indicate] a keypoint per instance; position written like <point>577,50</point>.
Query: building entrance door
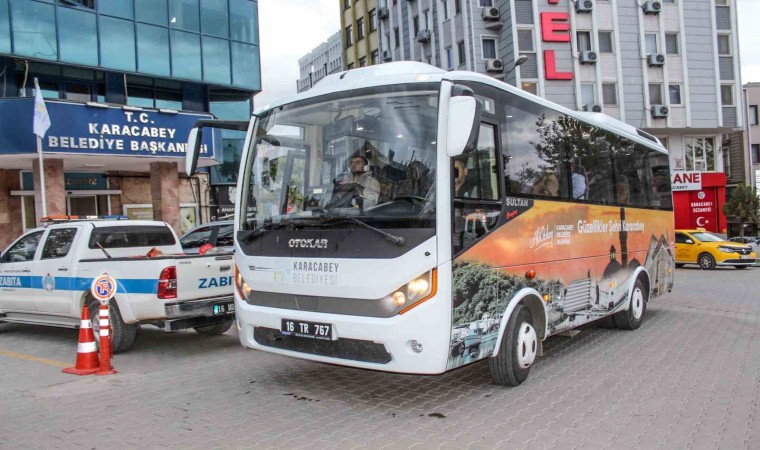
<point>83,205</point>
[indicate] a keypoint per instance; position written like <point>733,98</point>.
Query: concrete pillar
<point>55,189</point>
<point>10,208</point>
<point>164,190</point>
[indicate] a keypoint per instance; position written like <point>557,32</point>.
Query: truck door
<point>55,269</point>
<point>16,293</point>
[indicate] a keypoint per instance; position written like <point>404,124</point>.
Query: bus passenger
<point>547,185</point>
<point>463,187</point>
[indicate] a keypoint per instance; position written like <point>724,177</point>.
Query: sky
<point>289,29</point>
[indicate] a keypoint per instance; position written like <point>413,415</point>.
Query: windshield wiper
<point>398,240</point>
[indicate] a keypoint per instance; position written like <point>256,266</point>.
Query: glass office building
<point>181,56</point>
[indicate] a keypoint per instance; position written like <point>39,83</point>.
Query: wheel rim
<point>637,303</point>
<point>527,345</point>
<point>704,262</point>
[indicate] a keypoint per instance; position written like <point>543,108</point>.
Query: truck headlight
<point>414,292</point>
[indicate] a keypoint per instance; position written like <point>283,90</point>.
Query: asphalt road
<point>689,378</point>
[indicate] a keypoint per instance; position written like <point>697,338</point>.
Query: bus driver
<point>359,189</point>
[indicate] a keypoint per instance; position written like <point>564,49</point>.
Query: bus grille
<point>577,296</point>
<point>352,349</point>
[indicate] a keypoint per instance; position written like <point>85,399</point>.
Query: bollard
<point>105,341</point>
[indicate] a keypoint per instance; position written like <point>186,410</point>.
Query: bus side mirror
<point>463,125</point>
<point>193,150</point>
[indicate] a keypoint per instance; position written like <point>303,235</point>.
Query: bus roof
<point>417,72</point>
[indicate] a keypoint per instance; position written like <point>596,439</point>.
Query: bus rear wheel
<point>631,318</point>
<point>518,350</point>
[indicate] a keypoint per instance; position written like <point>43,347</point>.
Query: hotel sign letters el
<point>555,27</point>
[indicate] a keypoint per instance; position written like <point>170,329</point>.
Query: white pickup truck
<point>45,278</point>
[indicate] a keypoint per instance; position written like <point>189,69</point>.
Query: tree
<point>743,206</point>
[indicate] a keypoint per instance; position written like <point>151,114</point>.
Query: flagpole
<point>42,177</point>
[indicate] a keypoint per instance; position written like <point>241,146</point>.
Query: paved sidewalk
<point>689,378</point>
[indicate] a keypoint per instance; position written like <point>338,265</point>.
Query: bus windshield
<point>367,154</point>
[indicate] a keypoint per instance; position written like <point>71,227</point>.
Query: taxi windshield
<point>705,236</point>
<point>366,153</point>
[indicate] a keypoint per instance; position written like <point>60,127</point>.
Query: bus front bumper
<point>415,342</point>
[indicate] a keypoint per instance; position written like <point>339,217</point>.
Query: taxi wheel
<point>214,330</point>
<point>519,347</point>
<point>123,335</point>
<point>706,261</point>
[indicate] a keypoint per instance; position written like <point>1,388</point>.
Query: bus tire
<point>631,318</point>
<point>214,330</point>
<point>123,335</point>
<point>518,350</point>
<point>706,261</point>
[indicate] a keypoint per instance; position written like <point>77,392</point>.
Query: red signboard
<point>555,27</point>
<point>702,207</point>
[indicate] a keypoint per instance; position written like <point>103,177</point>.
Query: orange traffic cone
<point>87,354</point>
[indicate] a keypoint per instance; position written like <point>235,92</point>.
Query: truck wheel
<point>214,330</point>
<point>518,350</point>
<point>631,318</point>
<point>123,335</point>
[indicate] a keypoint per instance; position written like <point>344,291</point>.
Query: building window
<point>350,66</point>
<point>724,45</point>
<point>489,48</point>
<point>416,25</point>
<point>349,37</point>
<point>362,61</point>
<point>445,6</point>
<point>461,52</point>
<point>449,58</point>
<point>346,4</point>
<point>674,94</point>
<point>726,157</point>
<point>374,57</point>
<point>700,154</point>
<point>753,115</point>
<point>609,94</point>
<point>605,42</point>
<point>669,1</point>
<point>655,94</point>
<point>650,43</point>
<point>486,3</point>
<point>584,41</point>
<point>756,153</point>
<point>671,43</point>
<point>530,86</point>
<point>372,20</point>
<point>395,36</point>
<point>457,6</point>
<point>360,29</point>
<point>525,41</point>
<point>588,94</point>
<point>727,95</point>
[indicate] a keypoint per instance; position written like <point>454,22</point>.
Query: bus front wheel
<point>511,366</point>
<point>631,318</point>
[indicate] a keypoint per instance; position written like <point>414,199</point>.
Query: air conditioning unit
<point>660,111</point>
<point>383,13</point>
<point>656,59</point>
<point>423,36</point>
<point>490,14</point>
<point>584,6</point>
<point>652,7</point>
<point>593,108</point>
<point>588,57</point>
<point>387,56</point>
<point>494,65</point>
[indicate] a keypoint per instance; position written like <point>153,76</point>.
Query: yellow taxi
<point>708,250</point>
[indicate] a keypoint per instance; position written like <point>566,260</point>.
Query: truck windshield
<point>368,154</point>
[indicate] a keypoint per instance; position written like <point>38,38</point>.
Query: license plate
<point>747,257</point>
<point>221,309</point>
<point>312,330</point>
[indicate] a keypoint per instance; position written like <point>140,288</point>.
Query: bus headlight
<point>415,292</point>
<point>242,287</point>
